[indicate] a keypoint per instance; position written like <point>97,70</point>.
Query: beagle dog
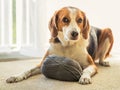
<point>73,37</point>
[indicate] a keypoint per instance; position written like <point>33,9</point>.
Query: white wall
<point>101,13</point>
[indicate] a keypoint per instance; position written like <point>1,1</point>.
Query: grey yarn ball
<point>61,68</point>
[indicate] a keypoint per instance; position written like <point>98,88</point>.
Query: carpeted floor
<point>107,78</point>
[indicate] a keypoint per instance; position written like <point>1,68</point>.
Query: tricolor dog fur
<point>73,37</point>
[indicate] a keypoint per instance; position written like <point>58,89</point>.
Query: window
<point>23,27</point>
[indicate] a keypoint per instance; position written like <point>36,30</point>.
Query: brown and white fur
<point>73,37</point>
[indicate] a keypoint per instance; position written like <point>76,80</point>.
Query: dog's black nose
<point>74,34</point>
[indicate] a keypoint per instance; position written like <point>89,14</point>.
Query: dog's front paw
<point>85,79</point>
<point>12,80</point>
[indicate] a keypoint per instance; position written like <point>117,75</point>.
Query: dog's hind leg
<point>105,45</point>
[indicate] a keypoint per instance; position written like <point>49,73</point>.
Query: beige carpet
<point>107,78</point>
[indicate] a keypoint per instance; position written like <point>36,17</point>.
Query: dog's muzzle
<point>74,35</point>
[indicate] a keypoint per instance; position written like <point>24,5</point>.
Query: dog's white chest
<point>74,52</point>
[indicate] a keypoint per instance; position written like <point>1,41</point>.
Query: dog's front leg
<point>88,72</point>
<point>24,75</point>
<point>34,71</point>
<point>86,76</point>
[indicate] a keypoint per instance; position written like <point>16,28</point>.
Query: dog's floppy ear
<point>86,27</point>
<point>53,25</point>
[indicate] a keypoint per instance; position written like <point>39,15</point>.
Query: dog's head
<point>71,23</point>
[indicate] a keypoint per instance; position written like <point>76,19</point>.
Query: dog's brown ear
<point>86,27</point>
<point>53,25</point>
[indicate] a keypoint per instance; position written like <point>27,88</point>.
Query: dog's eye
<point>79,20</point>
<point>65,20</point>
